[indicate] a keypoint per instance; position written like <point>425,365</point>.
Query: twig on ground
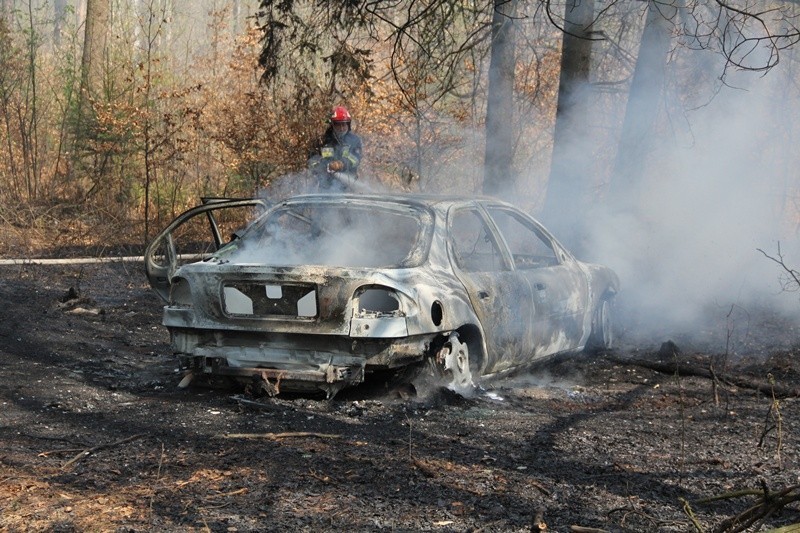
<point>683,421</point>
<point>630,510</point>
<point>236,492</point>
<point>158,475</point>
<point>160,462</point>
<point>89,451</point>
<point>424,468</point>
<point>687,509</point>
<point>731,495</point>
<point>64,450</point>
<point>541,488</point>
<point>775,411</point>
<point>324,479</point>
<point>278,436</point>
<point>261,405</point>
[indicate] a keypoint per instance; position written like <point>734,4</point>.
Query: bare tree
<point>568,188</point>
<point>644,102</point>
<point>789,277</point>
<point>94,49</point>
<point>428,44</point>
<point>236,15</point>
<point>151,26</point>
<point>749,35</point>
<point>9,84</point>
<point>29,126</point>
<point>59,18</point>
<point>429,47</point>
<point>500,136</point>
<point>6,8</point>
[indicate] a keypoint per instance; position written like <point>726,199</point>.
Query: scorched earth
<point>653,436</point>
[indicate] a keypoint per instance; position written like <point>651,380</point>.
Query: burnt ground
<point>95,435</point>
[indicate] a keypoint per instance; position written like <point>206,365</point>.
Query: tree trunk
<point>568,193</point>
<point>94,49</point>
<point>59,15</point>
<point>498,175</point>
<point>6,9</point>
<point>236,13</point>
<point>86,173</point>
<point>164,26</point>
<point>644,102</point>
<point>30,129</point>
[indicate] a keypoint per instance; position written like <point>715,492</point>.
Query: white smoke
<point>715,191</point>
<point>718,186</point>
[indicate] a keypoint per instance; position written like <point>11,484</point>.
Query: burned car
<point>321,292</point>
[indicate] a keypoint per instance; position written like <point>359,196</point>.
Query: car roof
<point>428,200</point>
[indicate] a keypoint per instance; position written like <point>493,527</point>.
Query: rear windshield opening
<point>332,235</point>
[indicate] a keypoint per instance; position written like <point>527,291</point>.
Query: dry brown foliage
<point>168,130</point>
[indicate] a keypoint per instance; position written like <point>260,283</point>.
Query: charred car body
<point>320,291</point>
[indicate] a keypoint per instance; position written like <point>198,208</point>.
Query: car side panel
<point>505,308</point>
<point>501,298</point>
<point>561,298</point>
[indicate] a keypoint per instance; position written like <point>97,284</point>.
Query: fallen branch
<point>236,492</point>
<point>253,403</point>
<point>278,436</point>
<point>687,509</point>
<point>423,467</point>
<point>318,477</point>
<point>791,528</point>
<point>538,486</point>
<point>65,450</point>
<point>89,451</point>
<point>769,503</point>
<point>685,369</point>
<point>731,495</point>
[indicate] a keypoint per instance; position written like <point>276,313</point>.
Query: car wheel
<point>454,359</point>
<point>602,336</point>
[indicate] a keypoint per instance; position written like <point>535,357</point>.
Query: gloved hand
<point>335,166</point>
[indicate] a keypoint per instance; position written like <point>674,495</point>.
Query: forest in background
<point>176,110</point>
<point>171,101</point>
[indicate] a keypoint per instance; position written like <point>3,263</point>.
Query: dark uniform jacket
<point>329,149</point>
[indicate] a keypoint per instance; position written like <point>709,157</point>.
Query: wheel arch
<point>601,334</point>
<point>472,336</point>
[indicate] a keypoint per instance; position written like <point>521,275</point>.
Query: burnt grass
<point>96,436</point>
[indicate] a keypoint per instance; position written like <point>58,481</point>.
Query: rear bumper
<point>292,362</point>
<point>328,377</point>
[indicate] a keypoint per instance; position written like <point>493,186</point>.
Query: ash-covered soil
<point>96,436</point>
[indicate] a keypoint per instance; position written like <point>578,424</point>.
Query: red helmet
<point>340,114</point>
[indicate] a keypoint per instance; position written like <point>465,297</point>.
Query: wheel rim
<point>456,367</point>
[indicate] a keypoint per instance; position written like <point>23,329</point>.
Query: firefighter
<point>334,161</point>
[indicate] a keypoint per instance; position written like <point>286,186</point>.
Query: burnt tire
<point>602,336</point>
